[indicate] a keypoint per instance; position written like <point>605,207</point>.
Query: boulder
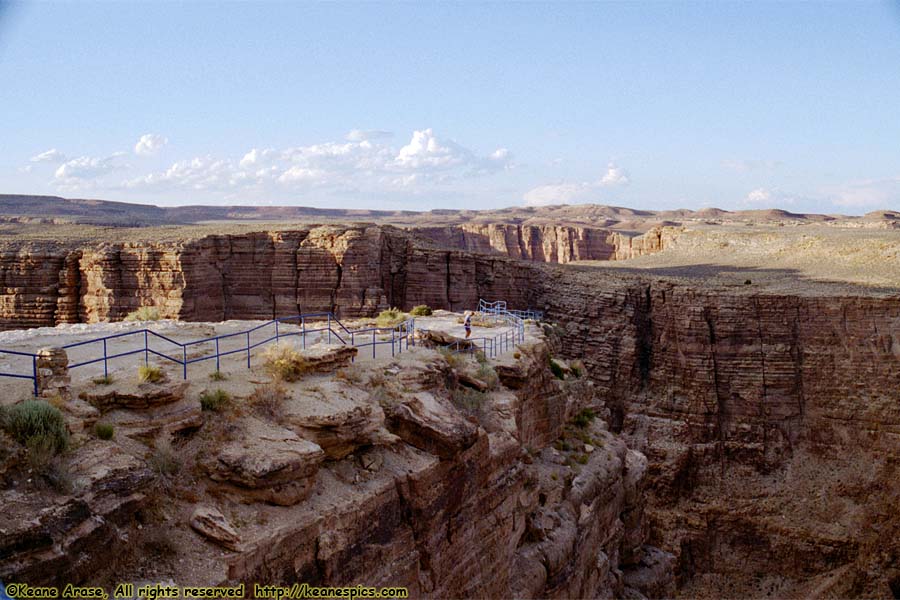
<point>133,395</point>
<point>211,524</point>
<point>267,463</point>
<point>337,417</point>
<point>327,358</point>
<point>432,424</point>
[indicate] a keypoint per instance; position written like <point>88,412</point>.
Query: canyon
<point>747,395</point>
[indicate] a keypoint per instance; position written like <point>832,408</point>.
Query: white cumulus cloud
<point>88,167</point>
<point>50,156</point>
<point>361,163</point>
<point>566,193</point>
<point>149,144</point>
<point>359,135</point>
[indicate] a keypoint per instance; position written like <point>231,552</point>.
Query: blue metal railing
<point>501,342</point>
<point>177,352</point>
<point>32,374</point>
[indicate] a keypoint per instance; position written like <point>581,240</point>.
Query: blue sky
<point>426,105</point>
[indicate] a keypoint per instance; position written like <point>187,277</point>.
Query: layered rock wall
<point>351,271</point>
<point>548,243</point>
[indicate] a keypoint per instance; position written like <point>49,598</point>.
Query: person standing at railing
<point>467,323</point>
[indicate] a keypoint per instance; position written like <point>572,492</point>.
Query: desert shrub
<point>422,310</point>
<point>217,375</point>
<point>584,418</point>
<point>487,374</point>
<point>268,399</point>
<point>577,368</point>
<point>214,400</point>
<point>164,460</point>
<point>144,313</point>
<point>150,374</point>
<point>517,355</point>
<point>36,424</point>
<point>469,401</point>
<point>284,363</point>
<point>390,317</point>
<point>581,459</point>
<point>457,360</point>
<point>557,369</point>
<point>348,374</point>
<point>104,431</point>
<point>105,380</point>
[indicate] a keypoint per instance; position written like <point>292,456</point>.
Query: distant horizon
<point>543,207</point>
<point>476,105</point>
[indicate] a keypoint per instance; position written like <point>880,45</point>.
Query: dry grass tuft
<point>284,363</point>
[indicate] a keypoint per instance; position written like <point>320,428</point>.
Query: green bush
<point>36,424</point>
<point>422,310</point>
<point>557,369</point>
<point>284,363</point>
<point>105,380</point>
<point>584,418</point>
<point>104,431</point>
<point>144,313</point>
<point>215,400</point>
<point>390,317</point>
<point>217,376</point>
<point>150,374</point>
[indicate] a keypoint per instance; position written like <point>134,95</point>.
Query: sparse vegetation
<point>390,317</point>
<point>217,376</point>
<point>487,374</point>
<point>422,310</point>
<point>215,400</point>
<point>584,418</point>
<point>105,380</point>
<point>284,363</point>
<point>577,368</point>
<point>268,399</point>
<point>470,401</point>
<point>557,369</point>
<point>144,313</point>
<point>150,374</point>
<point>104,431</point>
<point>164,460</point>
<point>456,359</point>
<point>581,459</point>
<point>517,355</point>
<point>36,424</point>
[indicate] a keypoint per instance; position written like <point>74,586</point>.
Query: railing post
<point>184,361</point>
<point>329,328</point>
<point>248,349</point>
<point>392,341</point>
<point>303,328</point>
<point>105,364</point>
<point>217,355</point>
<point>34,373</point>
<point>374,343</point>
<point>146,349</point>
<point>276,331</point>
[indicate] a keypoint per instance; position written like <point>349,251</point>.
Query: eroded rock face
<point>353,271</point>
<point>60,542</point>
<point>548,243</point>
<point>729,394</point>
